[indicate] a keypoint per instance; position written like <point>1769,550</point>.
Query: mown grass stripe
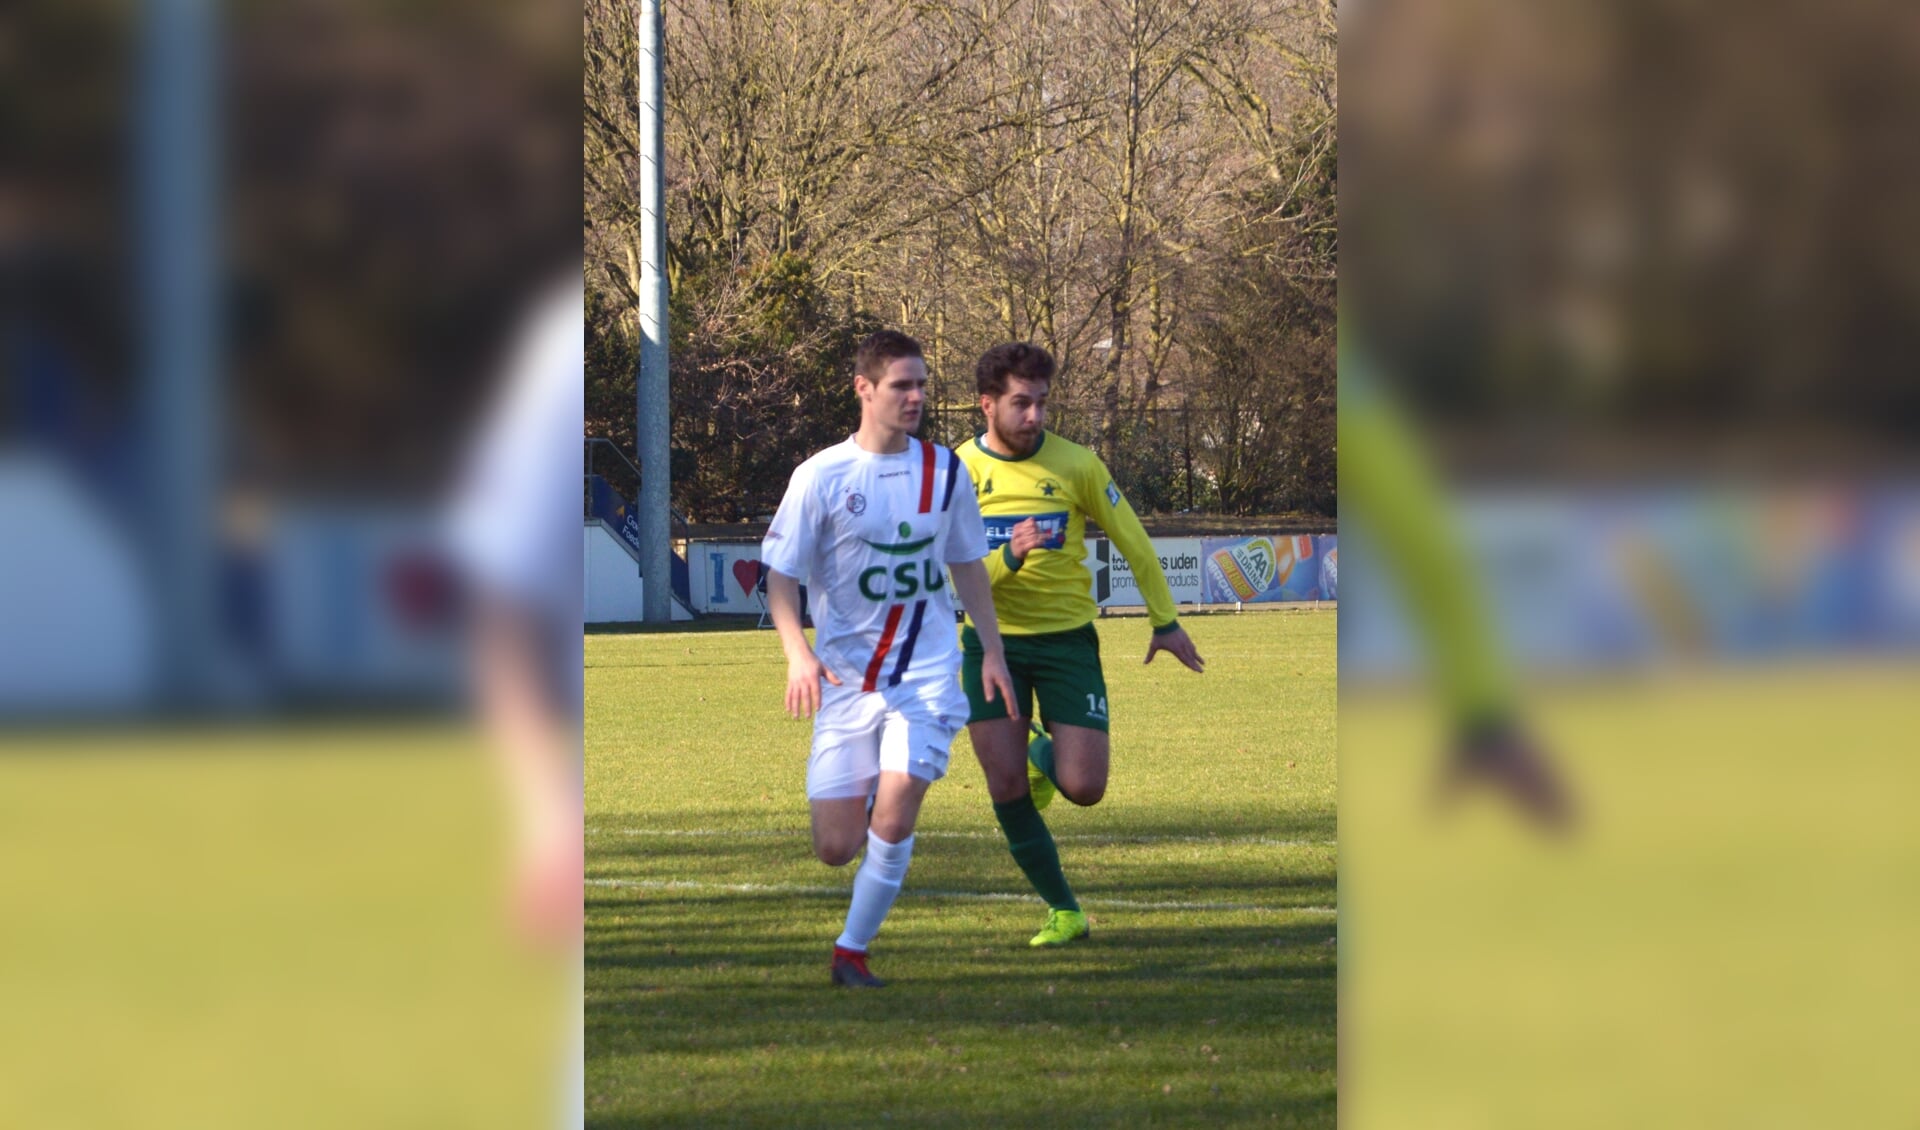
<point>801,834</point>
<point>971,896</point>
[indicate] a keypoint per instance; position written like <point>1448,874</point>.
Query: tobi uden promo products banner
<point>1113,583</point>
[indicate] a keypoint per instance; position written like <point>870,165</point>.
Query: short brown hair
<point>1012,359</point>
<point>883,348</point>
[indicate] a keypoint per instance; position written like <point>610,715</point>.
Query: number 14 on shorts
<point>1097,706</point>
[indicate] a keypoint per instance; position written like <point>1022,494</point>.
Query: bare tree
<point>1094,175</point>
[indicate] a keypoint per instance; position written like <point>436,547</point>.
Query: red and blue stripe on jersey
<point>894,614</point>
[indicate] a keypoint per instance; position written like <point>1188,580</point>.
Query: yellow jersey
<point>1060,485</point>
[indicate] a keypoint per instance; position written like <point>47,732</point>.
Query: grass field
<point>254,925</point>
<point>1206,996</point>
<point>1729,942</point>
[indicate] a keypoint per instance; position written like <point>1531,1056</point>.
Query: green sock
<point>1033,850</point>
<point>1040,754</point>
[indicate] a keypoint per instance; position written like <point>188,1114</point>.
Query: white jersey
<point>871,537</point>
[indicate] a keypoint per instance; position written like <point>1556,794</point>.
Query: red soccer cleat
<point>850,970</point>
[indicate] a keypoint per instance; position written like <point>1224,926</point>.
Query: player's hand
<point>1508,761</point>
<point>1026,538</point>
<point>1179,645</point>
<point>995,683</point>
<point>804,673</point>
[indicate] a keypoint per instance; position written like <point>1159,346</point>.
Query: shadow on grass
<point>687,1026</point>
<point>711,1007</point>
<point>961,965</point>
<point>1276,877</point>
<point>839,1111</point>
<point>1162,958</point>
<point>704,625</point>
<point>1073,828</point>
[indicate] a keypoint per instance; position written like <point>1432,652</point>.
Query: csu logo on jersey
<point>905,580</point>
<point>856,503</point>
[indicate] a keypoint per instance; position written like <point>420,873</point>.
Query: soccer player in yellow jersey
<point>1036,492</point>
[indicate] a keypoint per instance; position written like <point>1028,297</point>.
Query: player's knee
<point>1007,786</point>
<point>1085,795</point>
<point>836,855</point>
<point>892,829</point>
<point>834,852</point>
<point>1085,790</point>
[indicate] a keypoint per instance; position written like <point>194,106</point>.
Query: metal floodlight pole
<point>175,159</point>
<point>653,425</point>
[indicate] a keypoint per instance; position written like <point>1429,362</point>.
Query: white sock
<point>874,888</point>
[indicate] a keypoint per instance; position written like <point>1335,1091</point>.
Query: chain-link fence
<point>1182,459</point>
<point>1168,461</point>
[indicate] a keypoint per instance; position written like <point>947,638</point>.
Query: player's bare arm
<point>535,751</point>
<point>1179,645</point>
<point>804,669</point>
<point>970,580</point>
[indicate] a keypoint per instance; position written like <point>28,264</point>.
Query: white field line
<point>971,896</point>
<point>801,835</point>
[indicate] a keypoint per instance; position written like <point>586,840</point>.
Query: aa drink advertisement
<point>1240,570</point>
<point>1293,567</point>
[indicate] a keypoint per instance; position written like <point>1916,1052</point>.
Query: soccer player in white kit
<point>872,526</point>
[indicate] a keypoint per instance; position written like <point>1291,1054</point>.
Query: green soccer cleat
<point>1062,926</point>
<point>1037,783</point>
<point>1041,788</point>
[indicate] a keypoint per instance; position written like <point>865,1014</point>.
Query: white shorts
<point>905,729</point>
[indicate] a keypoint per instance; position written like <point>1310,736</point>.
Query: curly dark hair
<point>1012,359</point>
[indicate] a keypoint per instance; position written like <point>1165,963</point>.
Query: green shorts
<point>1062,668</point>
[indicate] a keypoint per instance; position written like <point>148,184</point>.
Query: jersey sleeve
<point>966,535</point>
<point>790,541</point>
<point>1114,513</point>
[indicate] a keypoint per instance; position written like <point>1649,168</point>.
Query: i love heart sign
<point>746,573</point>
